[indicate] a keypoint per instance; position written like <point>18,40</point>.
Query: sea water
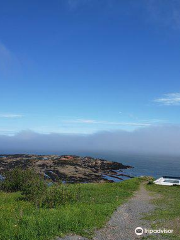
<point>144,165</point>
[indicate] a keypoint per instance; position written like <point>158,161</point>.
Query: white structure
<point>168,181</point>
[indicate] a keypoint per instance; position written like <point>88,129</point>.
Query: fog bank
<point>151,140</point>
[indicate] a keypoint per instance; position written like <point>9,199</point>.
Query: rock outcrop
<point>67,168</point>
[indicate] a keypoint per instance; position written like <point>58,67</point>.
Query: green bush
<point>35,189</point>
<point>32,186</point>
<point>59,195</point>
<point>16,179</point>
<point>150,182</point>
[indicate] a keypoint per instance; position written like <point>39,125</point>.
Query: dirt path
<point>125,220</point>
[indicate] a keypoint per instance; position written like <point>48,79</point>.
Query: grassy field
<point>21,220</point>
<point>167,214</point>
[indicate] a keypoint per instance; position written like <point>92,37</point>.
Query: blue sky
<point>83,66</point>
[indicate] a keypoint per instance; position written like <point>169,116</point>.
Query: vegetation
<point>16,179</point>
<point>75,208</point>
<point>35,189</point>
<point>167,213</point>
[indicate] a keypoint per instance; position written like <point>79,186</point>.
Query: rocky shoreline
<point>66,168</point>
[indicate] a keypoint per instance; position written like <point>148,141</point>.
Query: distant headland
<point>66,168</point>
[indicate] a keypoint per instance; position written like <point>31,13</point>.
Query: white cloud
<point>10,115</point>
<point>170,99</point>
<point>8,131</point>
<point>92,121</point>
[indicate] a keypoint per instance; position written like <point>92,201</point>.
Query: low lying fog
<point>151,140</point>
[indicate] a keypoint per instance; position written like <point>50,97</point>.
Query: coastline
<point>66,168</point>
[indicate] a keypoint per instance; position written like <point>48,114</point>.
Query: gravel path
<point>123,222</point>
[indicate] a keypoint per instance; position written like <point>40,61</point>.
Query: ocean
<point>145,165</point>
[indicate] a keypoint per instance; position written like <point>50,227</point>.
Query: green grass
<point>167,213</point>
<point>21,220</point>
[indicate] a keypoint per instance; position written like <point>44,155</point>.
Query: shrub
<point>59,195</point>
<point>15,179</point>
<point>35,190</point>
<point>150,182</point>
